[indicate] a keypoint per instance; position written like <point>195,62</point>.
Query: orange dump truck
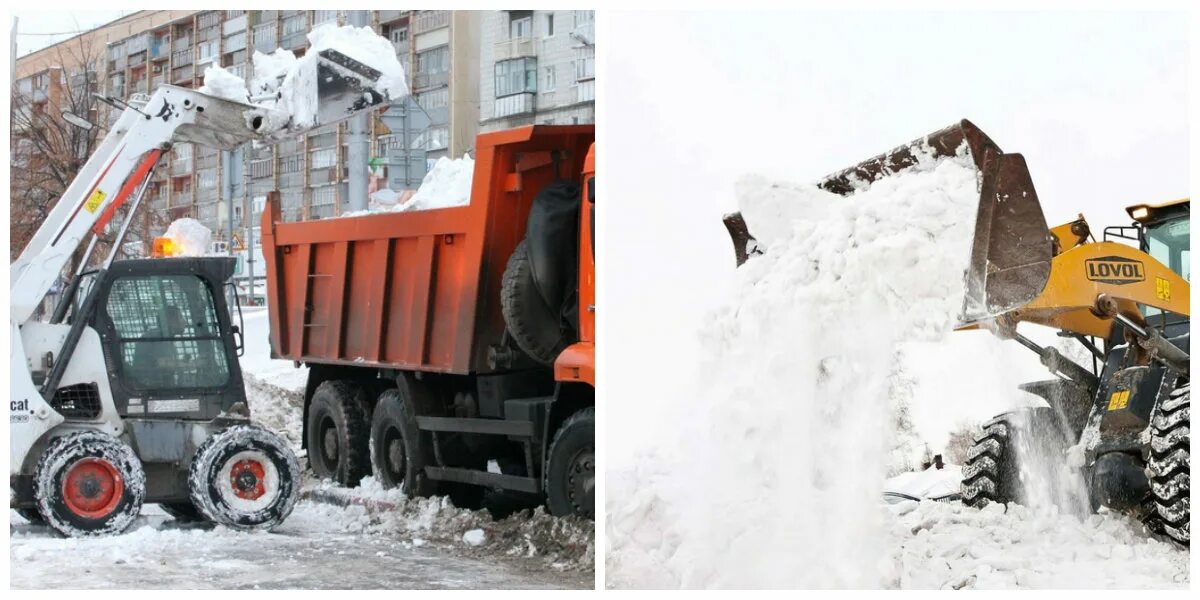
<point>441,341</point>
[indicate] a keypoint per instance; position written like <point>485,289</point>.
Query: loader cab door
<point>167,339</point>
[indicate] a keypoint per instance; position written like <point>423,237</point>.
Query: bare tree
<point>47,152</point>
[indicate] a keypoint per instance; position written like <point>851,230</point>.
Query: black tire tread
<point>349,399</point>
<point>1169,467</point>
<point>515,296</point>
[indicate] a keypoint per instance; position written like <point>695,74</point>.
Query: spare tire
<point>536,327</point>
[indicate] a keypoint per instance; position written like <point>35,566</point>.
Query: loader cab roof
<point>1153,214</point>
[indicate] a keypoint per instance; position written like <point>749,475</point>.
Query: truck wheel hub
<point>92,488</point>
<point>329,443</point>
<point>581,481</point>
<point>246,477</point>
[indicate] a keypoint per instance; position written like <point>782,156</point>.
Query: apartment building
<point>439,49</point>
<point>538,66</point>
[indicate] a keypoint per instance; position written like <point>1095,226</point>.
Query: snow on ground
<point>319,546</point>
<point>837,339</point>
<point>943,545</point>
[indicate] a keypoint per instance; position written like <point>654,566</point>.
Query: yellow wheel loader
<point>1124,422</point>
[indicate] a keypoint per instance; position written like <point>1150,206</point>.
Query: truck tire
<point>571,468</point>
<point>245,478</point>
<point>399,451</point>
<point>185,512</point>
<point>992,472</point>
<point>535,327</point>
<point>337,432</point>
<point>1169,467</point>
<point>89,483</point>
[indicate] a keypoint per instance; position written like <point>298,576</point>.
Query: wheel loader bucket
<point>1012,246</point>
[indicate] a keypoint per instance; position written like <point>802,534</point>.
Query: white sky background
<point>1095,101</point>
<point>32,26</point>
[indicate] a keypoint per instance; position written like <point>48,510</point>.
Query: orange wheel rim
<point>93,488</point>
<point>246,477</point>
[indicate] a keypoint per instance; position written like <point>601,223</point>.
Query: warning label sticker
<point>96,199</point>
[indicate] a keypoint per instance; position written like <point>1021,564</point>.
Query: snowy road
<point>311,550</point>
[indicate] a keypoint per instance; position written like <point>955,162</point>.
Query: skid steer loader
<point>131,391</point>
<point>1125,421</point>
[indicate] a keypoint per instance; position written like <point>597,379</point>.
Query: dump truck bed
<point>415,290</point>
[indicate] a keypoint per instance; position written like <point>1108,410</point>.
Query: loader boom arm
<point>122,162</point>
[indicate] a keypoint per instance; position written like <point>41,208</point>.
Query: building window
<point>584,17</point>
<point>323,16</point>
<point>520,24</point>
<point>585,63</point>
<point>438,98</point>
<point>550,25</point>
<point>436,60</point>
<point>516,76</point>
<point>551,80</point>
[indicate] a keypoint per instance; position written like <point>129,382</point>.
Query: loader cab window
<point>1169,242</point>
<point>167,333</point>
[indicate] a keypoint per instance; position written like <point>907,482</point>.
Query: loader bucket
<point>1012,246</point>
<point>344,87</point>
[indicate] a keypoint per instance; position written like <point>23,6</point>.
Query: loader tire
<point>536,327</point>
<point>1169,467</point>
<point>992,472</point>
<point>245,478</point>
<point>338,433</point>
<point>571,469</point>
<point>399,451</point>
<point>89,483</point>
<point>184,512</point>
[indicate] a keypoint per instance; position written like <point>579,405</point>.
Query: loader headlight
<point>1140,212</point>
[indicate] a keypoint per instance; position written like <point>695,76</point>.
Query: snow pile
<point>192,238</point>
<point>780,454</point>
<point>446,185</point>
<point>562,543</point>
<point>941,545</point>
<point>223,84</point>
<point>930,483</point>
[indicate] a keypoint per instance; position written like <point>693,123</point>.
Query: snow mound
<point>940,545</point>
<point>562,543</point>
<point>782,449</point>
<point>446,185</point>
<point>192,237</point>
<point>223,84</point>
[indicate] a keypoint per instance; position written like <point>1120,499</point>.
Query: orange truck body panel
<point>578,361</point>
<point>420,290</point>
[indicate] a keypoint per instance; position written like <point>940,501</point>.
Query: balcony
<point>156,82</point>
<point>516,48</point>
<point>159,49</point>
<point>182,43</point>
<point>136,44</point>
<point>293,41</point>
<point>181,166</point>
<point>183,75</point>
<point>586,91</point>
<point>265,37</point>
<point>428,20</point>
<point>181,58</point>
<point>516,104</point>
<point>235,42</point>
<point>232,26</point>
<point>386,16</point>
<point>428,80</point>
